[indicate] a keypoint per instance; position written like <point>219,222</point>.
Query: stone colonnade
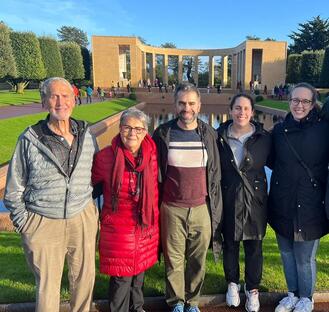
<point>152,74</point>
<point>264,61</point>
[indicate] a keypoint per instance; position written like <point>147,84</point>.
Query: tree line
<point>25,57</point>
<point>308,55</point>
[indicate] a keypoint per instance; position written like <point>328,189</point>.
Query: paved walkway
<point>20,110</point>
<point>319,307</point>
<point>26,109</point>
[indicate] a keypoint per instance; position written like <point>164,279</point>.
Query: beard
<point>185,120</point>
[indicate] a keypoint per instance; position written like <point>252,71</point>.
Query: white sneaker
<point>252,300</point>
<point>287,304</point>
<point>304,305</point>
<point>232,295</point>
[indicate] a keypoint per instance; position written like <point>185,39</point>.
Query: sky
<point>188,24</point>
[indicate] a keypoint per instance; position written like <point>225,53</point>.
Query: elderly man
<point>191,198</point>
<point>48,193</point>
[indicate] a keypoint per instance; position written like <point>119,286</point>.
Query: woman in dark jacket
<point>296,201</point>
<point>129,235</point>
<point>244,147</point>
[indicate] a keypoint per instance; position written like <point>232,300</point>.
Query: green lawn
<point>13,98</point>
<point>17,282</point>
<point>283,105</point>
<point>11,128</point>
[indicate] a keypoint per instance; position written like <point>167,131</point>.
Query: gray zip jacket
<point>36,181</point>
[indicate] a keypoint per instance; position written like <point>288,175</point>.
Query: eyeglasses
<point>128,129</point>
<point>296,101</point>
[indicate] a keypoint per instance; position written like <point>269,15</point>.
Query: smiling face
<point>300,103</point>
<point>132,133</point>
<point>241,112</point>
<point>59,101</point>
<point>187,108</point>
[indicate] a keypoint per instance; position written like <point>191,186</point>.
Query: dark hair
<point>243,95</point>
<point>307,86</point>
<point>186,87</point>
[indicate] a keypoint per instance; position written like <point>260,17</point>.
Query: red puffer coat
<point>126,247</point>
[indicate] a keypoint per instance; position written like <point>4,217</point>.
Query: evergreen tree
<point>51,57</point>
<point>7,60</point>
<point>324,77</point>
<point>312,35</point>
<point>311,66</point>
<point>86,58</point>
<point>293,68</point>
<point>72,60</point>
<point>73,34</point>
<point>28,59</point>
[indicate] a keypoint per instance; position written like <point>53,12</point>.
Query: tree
<point>7,60</point>
<point>73,34</point>
<point>312,35</point>
<point>311,66</point>
<point>293,68</point>
<point>28,59</point>
<point>51,57</point>
<point>86,59</point>
<point>324,77</point>
<point>270,39</point>
<point>168,45</point>
<point>252,37</point>
<point>72,60</point>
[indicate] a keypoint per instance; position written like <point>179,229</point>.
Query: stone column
<point>234,72</point>
<point>153,64</point>
<point>180,68</point>
<point>211,71</point>
<point>165,68</point>
<point>224,70</point>
<point>195,71</point>
<point>144,66</point>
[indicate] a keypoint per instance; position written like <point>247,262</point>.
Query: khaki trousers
<point>47,242</point>
<point>185,235</point>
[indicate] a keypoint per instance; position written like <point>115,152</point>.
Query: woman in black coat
<point>296,201</point>
<point>244,148</point>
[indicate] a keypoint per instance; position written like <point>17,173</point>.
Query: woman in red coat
<point>129,235</point>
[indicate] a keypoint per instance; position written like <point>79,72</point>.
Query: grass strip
<point>11,128</point>
<point>17,282</point>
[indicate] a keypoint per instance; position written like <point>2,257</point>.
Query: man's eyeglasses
<point>296,101</point>
<point>128,129</point>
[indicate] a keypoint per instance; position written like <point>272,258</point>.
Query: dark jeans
<point>253,262</point>
<point>299,264</point>
<point>126,293</point>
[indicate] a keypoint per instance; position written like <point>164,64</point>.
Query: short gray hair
<point>186,87</point>
<point>136,114</point>
<point>44,89</point>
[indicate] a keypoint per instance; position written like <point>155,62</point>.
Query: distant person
<point>149,87</point>
<point>173,87</point>
<point>265,90</point>
<point>76,94</point>
<point>89,92</point>
<point>99,92</point>
<point>128,87</point>
<point>102,94</point>
<point>166,87</point>
<point>160,86</point>
<point>208,89</point>
<point>48,193</point>
<point>129,235</point>
<point>244,147</point>
<point>219,88</point>
<point>296,203</point>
